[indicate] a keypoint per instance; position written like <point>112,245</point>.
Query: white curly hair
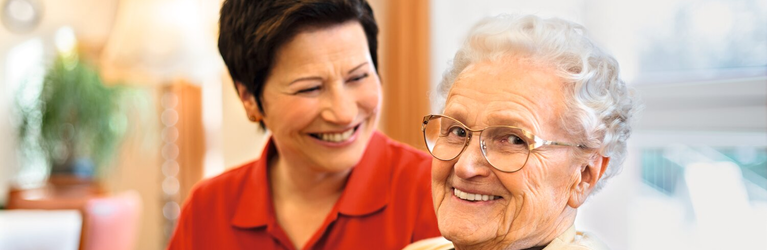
<point>600,106</point>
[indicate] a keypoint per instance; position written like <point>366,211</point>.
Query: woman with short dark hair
<point>306,71</point>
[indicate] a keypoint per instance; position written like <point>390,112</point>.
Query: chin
<point>339,163</point>
<point>345,159</point>
<point>460,238</point>
<point>467,228</point>
<point>346,164</point>
<point>462,232</point>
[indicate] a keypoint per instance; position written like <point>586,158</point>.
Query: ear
<point>249,103</point>
<point>587,177</point>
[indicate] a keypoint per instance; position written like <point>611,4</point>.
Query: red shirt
<point>386,204</point>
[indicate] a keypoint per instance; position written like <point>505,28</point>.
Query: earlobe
<point>249,103</point>
<point>588,176</point>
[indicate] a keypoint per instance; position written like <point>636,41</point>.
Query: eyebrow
<point>309,78</point>
<point>357,67</point>
<point>457,111</point>
<point>506,120</point>
<point>317,78</point>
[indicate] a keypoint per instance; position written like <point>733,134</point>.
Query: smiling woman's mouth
<point>474,197</point>
<point>335,137</point>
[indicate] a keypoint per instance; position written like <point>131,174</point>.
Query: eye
<point>506,138</point>
<point>457,131</point>
<point>514,139</point>
<point>358,78</point>
<point>308,90</point>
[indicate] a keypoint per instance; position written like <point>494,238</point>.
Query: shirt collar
<point>255,207</point>
<point>366,190</point>
<point>563,240</point>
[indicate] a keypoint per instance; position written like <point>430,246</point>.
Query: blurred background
<point>111,110</point>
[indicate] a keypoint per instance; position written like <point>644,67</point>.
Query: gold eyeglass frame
<point>537,141</point>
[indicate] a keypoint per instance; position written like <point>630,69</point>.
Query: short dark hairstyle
<point>251,31</point>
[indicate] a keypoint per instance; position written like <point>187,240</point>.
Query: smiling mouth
<point>335,137</point>
<point>473,197</point>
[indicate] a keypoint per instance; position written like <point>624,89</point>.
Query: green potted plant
<point>77,122</point>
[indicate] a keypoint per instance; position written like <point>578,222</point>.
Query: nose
<point>339,106</point>
<point>471,163</point>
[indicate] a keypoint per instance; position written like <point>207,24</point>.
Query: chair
<point>111,222</point>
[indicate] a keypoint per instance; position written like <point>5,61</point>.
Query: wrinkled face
<point>322,98</point>
<point>528,205</point>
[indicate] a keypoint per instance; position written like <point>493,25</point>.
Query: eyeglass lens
<point>504,147</point>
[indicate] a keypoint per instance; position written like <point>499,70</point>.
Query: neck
<point>295,180</point>
<point>563,222</point>
<point>536,248</point>
<point>533,242</point>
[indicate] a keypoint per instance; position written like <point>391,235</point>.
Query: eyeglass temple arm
<point>563,144</point>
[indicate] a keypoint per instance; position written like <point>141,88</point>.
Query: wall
<point>243,140</point>
<point>92,22</point>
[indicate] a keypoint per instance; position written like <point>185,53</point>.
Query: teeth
<point>336,137</point>
<point>473,197</point>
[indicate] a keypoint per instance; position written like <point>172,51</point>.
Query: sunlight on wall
<point>211,118</point>
<point>24,79</point>
<point>716,217</point>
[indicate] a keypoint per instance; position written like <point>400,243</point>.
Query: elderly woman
<point>306,70</point>
<point>536,119</point>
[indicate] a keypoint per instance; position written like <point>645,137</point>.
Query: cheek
<point>531,186</point>
<point>555,174</point>
<point>369,96</point>
<point>300,114</point>
<point>543,170</point>
<point>545,187</point>
<point>440,170</point>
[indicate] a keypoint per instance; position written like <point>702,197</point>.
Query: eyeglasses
<point>506,148</point>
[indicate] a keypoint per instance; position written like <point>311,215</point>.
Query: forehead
<point>508,91</point>
<point>340,44</point>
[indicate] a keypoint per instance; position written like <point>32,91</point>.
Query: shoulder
<point>221,188</point>
<point>209,207</point>
<point>403,156</point>
<point>409,166</point>
<point>436,243</point>
<point>587,241</point>
<point>402,149</point>
<point>410,173</point>
<point>576,240</point>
